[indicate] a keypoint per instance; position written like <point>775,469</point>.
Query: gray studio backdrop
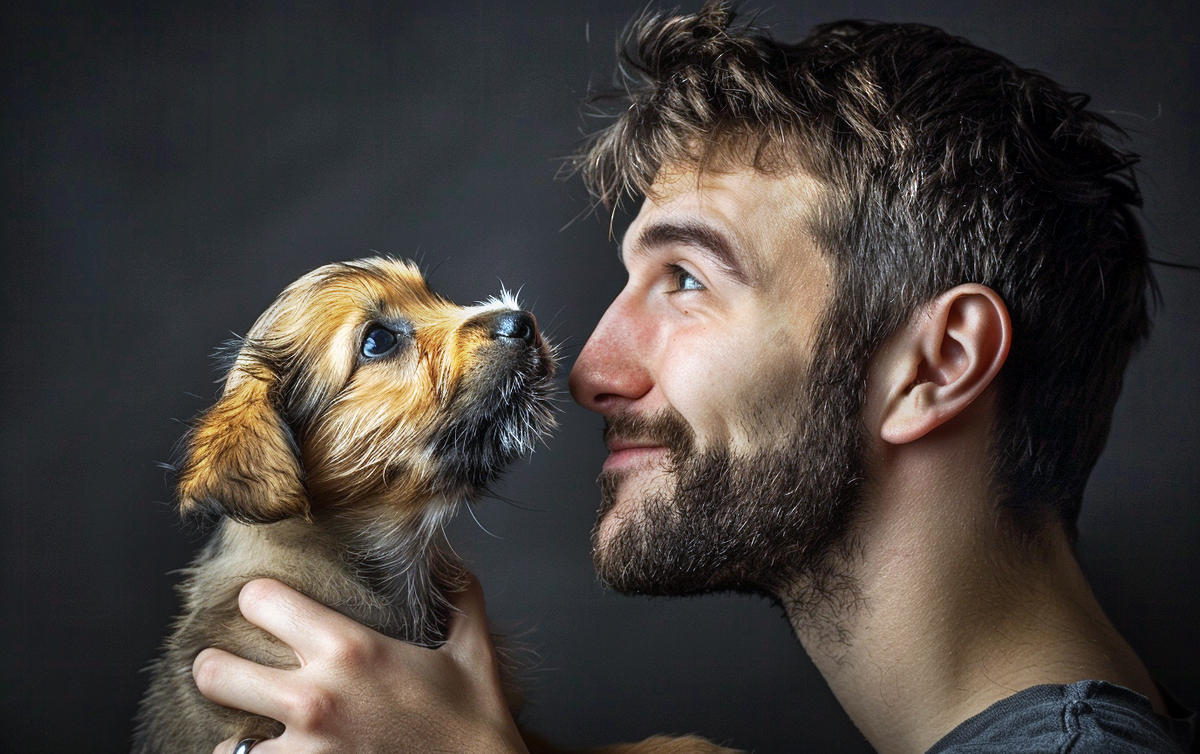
<point>169,168</point>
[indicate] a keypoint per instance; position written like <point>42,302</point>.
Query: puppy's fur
<point>360,411</point>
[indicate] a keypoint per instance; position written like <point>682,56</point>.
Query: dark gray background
<point>168,169</point>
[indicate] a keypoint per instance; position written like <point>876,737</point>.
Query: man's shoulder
<point>1089,717</point>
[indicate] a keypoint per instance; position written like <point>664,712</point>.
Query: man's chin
<point>607,528</point>
<point>608,534</point>
<point>640,548</point>
<point>619,512</point>
<point>650,577</point>
<point>615,542</point>
<point>623,497</point>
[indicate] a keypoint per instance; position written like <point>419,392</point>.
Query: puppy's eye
<point>380,341</point>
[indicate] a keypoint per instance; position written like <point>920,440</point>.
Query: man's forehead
<point>734,197</point>
<point>739,215</point>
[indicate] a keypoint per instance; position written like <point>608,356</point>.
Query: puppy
<point>360,411</point>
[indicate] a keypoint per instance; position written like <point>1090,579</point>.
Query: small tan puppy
<point>361,411</point>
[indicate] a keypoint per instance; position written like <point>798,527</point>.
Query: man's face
<point>728,468</point>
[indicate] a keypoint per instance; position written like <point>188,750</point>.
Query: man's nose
<point>612,370</point>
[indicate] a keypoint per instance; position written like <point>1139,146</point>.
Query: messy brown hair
<point>942,164</point>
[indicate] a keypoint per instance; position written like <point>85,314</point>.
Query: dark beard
<point>762,523</point>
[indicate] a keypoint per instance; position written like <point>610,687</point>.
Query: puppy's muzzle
<point>506,407</point>
<point>516,332</point>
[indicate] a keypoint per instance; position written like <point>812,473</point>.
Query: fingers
<point>269,746</point>
<point>231,681</point>
<point>302,623</point>
<point>314,631</point>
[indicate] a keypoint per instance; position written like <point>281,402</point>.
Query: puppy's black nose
<point>515,325</point>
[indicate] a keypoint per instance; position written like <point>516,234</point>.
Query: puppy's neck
<point>398,552</point>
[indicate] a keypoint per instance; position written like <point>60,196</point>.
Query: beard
<point>774,521</point>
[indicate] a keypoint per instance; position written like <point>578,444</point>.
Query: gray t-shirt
<point>1089,717</point>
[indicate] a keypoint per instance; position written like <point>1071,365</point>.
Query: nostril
<point>515,325</point>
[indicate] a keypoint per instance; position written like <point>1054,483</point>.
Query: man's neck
<point>948,621</point>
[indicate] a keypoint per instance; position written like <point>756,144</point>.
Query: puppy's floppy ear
<point>241,459</point>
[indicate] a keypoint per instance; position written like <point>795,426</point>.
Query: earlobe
<point>942,361</point>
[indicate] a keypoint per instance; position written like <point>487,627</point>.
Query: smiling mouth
<point>627,456</point>
<point>643,442</point>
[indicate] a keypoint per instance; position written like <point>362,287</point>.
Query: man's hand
<point>357,690</point>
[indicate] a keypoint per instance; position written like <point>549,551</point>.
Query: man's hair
<point>943,164</point>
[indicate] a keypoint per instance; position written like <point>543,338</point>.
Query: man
<point>882,291</point>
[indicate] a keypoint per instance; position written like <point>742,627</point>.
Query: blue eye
<point>684,280</point>
<point>379,342</point>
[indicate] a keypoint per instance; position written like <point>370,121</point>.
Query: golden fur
<point>334,471</point>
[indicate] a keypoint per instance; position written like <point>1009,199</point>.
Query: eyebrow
<point>707,240</point>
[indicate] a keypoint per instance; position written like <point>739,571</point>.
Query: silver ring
<point>245,745</point>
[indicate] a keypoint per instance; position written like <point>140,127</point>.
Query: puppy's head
<point>359,383</point>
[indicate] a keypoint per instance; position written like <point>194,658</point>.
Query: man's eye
<point>684,280</point>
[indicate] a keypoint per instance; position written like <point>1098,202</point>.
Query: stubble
<point>775,521</point>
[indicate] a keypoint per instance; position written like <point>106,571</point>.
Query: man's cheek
<point>768,409</point>
<point>704,382</point>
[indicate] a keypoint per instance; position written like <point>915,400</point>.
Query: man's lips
<point>628,454</point>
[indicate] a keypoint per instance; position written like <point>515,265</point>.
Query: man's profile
<point>882,291</point>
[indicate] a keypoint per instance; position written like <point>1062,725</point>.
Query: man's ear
<point>941,361</point>
<point>240,460</point>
